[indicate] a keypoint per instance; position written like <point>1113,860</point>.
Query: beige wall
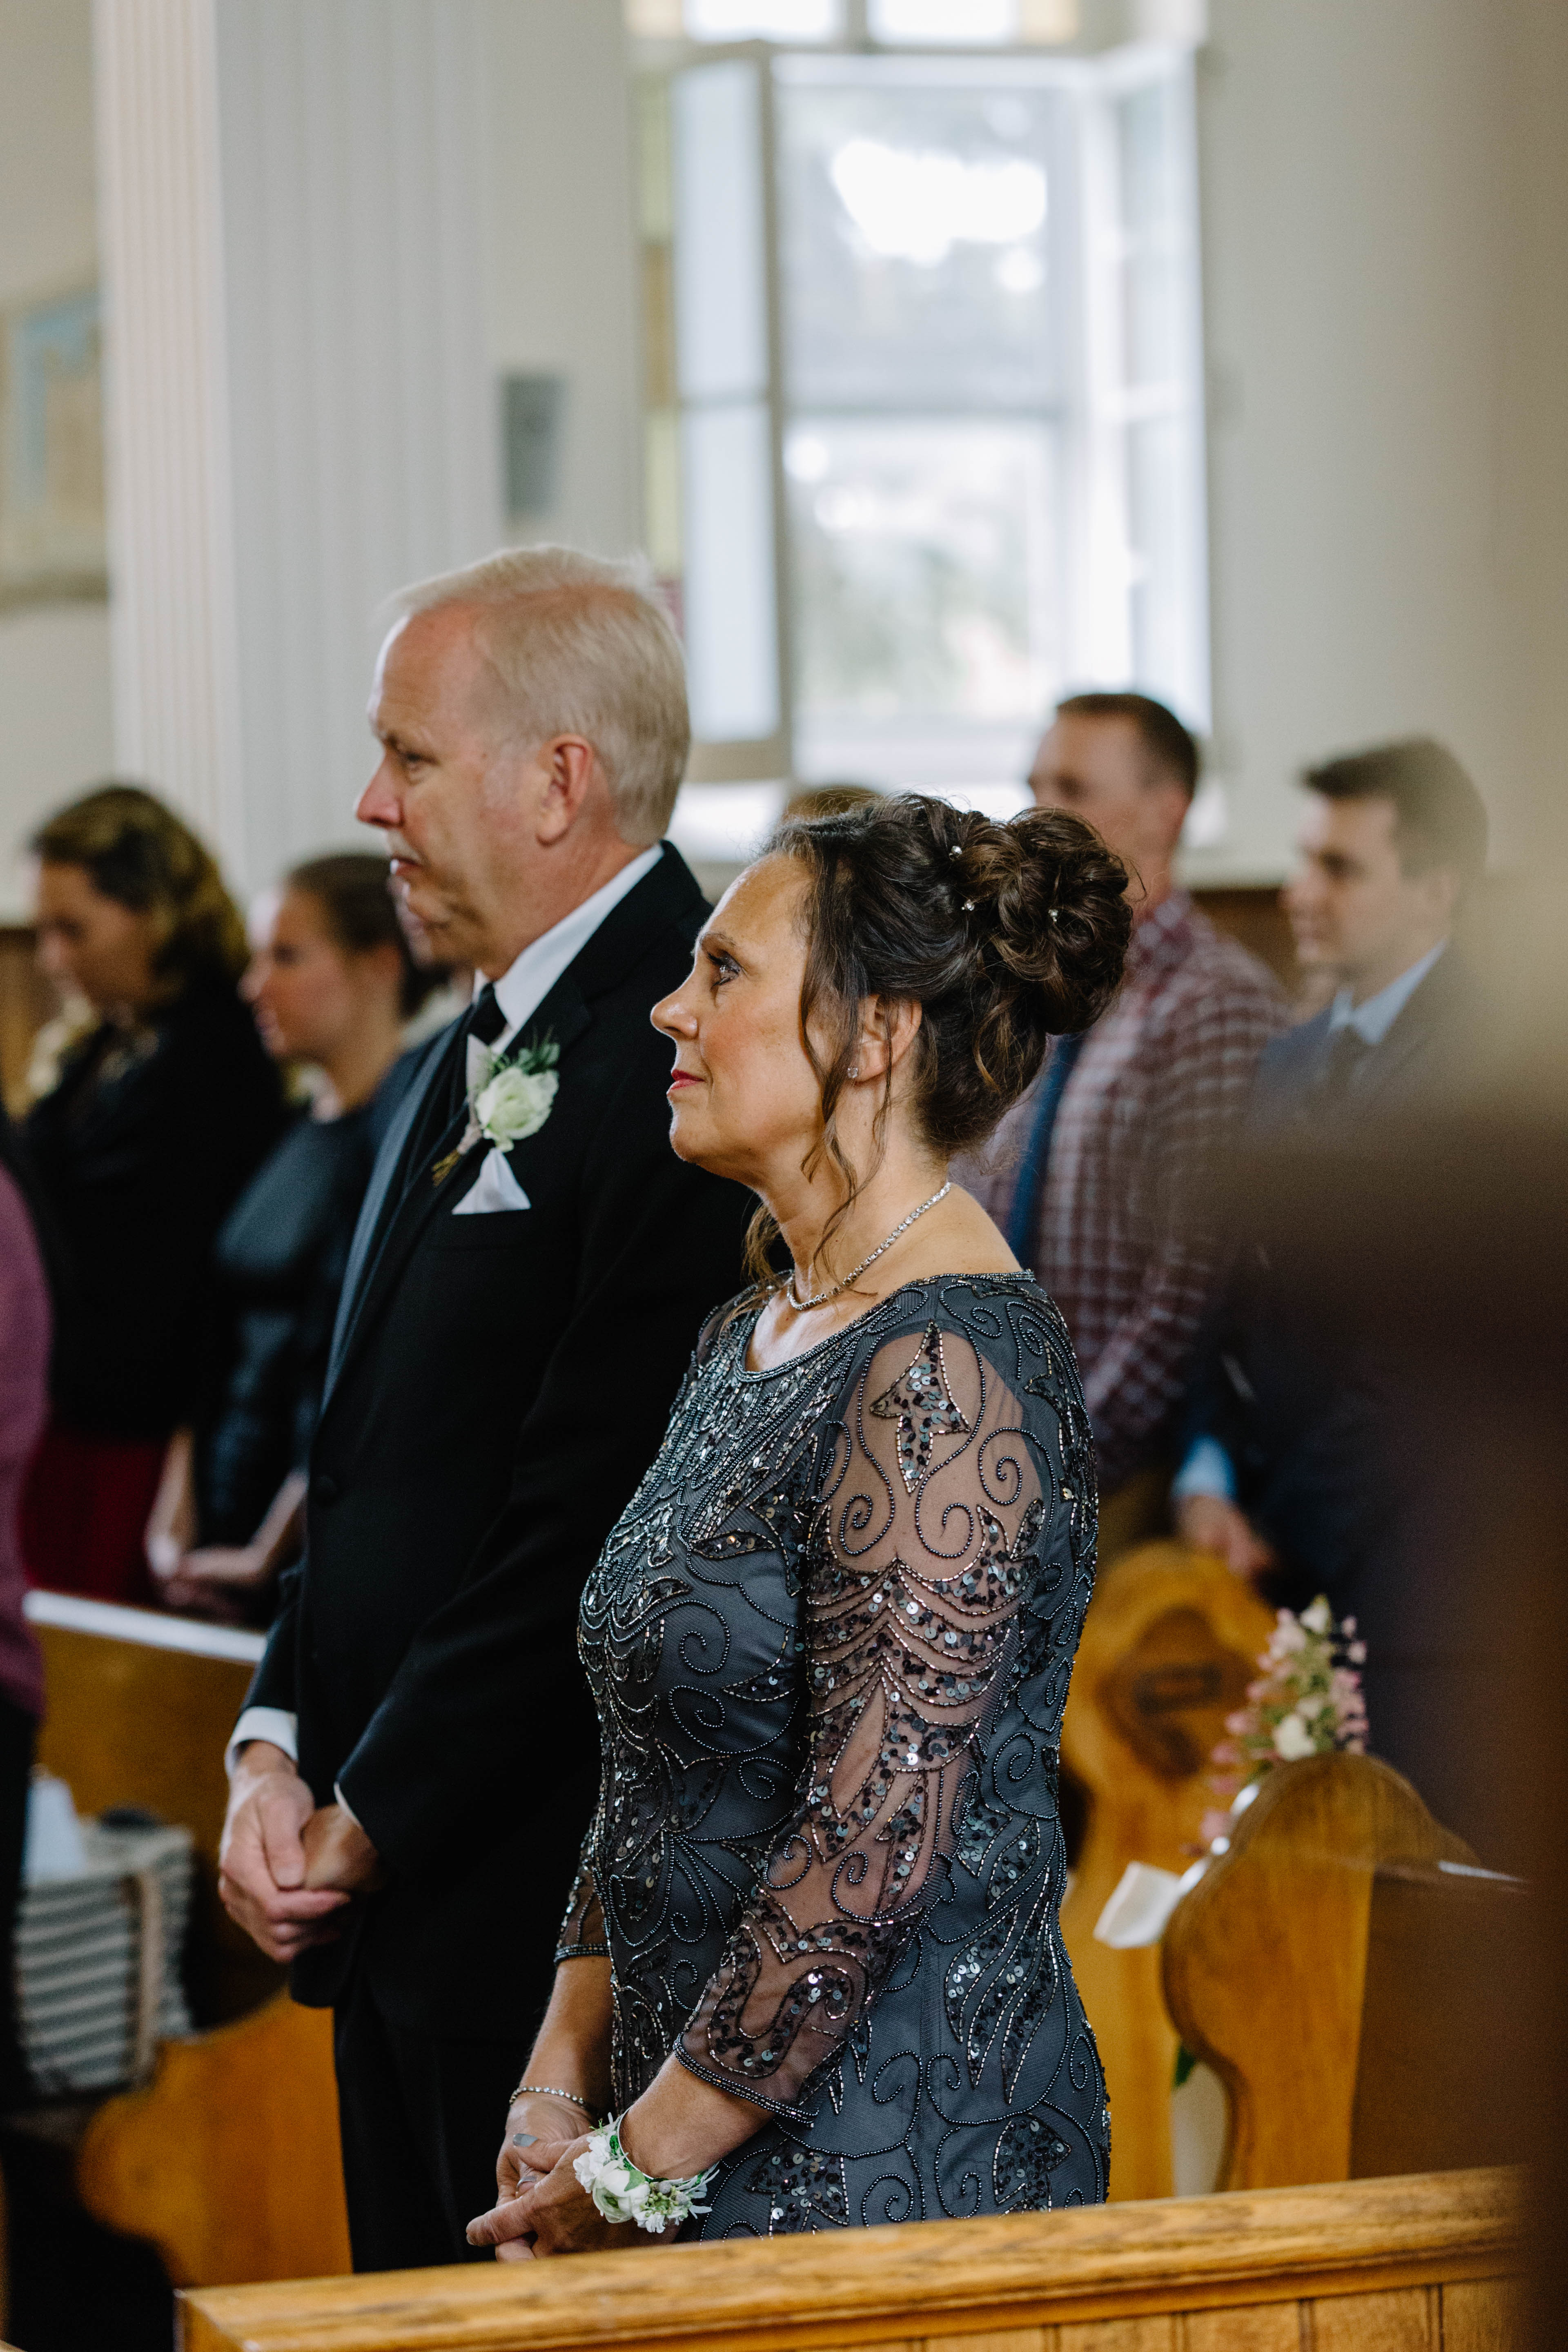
<point>54,661</point>
<point>1386,215</point>
<point>1386,212</point>
<point>559,253</point>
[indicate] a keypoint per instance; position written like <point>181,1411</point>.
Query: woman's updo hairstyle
<point>354,892</point>
<point>1006,936</point>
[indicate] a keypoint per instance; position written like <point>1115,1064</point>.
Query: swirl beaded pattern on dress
<point>830,1641</point>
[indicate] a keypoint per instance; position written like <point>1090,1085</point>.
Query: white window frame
<point>1091,409</point>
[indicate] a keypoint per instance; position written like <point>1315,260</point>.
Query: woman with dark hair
<point>332,984</point>
<point>161,1109</point>
<point>812,1961</point>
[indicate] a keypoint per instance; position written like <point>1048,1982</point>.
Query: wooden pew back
<point>1409,2264</point>
<point>1169,1646</point>
<point>1344,1981</point>
<point>227,2159</point>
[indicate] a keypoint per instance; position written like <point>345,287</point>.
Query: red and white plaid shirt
<point>1120,1239</point>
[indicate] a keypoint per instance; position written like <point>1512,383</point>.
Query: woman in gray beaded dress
<point>813,1949</point>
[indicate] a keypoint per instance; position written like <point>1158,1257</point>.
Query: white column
<point>301,410</point>
<point>173,626</point>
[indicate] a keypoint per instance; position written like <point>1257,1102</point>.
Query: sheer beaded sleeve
<point>582,1936</point>
<point>922,1540</point>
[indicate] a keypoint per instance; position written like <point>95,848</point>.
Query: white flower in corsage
<point>623,2192</point>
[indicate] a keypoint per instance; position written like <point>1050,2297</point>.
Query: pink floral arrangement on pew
<point>1307,1701</point>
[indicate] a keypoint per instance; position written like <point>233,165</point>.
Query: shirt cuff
<point>337,1793</point>
<point>273,1723</point>
<point>1207,1470</point>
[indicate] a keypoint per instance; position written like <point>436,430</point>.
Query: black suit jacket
<point>498,1385</point>
<point>1300,1404</point>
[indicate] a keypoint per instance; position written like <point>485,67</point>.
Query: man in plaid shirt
<point>1098,1176</point>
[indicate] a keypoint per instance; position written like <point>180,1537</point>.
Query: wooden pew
<point>1169,1646</point>
<point>1344,1969</point>
<point>1402,2265</point>
<point>228,2160</point>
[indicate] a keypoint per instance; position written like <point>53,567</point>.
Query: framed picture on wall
<point>52,545</point>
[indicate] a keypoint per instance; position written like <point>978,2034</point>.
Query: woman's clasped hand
<point>548,2211</point>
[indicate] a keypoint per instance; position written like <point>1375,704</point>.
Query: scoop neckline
<point>847,1330</point>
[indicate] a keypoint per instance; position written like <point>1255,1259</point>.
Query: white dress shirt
<point>1208,1468</point>
<point>520,991</point>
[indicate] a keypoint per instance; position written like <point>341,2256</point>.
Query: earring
<point>853,1069</point>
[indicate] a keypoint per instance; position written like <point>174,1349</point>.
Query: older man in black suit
<point>417,1755</point>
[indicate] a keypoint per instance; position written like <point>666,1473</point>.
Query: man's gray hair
<point>582,646</point>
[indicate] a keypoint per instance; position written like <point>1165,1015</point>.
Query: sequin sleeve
<point>923,1538</point>
<point>582,1936</point>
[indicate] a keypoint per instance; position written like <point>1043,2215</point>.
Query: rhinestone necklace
<point>820,1297</point>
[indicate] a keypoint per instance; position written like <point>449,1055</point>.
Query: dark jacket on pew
<point>499,1383</point>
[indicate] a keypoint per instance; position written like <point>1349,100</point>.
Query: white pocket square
<point>495,1188</point>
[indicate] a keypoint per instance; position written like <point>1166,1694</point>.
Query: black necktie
<point>485,1021</point>
<point>1347,1049</point>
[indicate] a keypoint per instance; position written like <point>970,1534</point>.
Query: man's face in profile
<point>1100,770</point>
<point>445,794</point>
<point>1355,912</point>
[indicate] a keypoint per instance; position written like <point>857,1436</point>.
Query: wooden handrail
<point>923,2279</point>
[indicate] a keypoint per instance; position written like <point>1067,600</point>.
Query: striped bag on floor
<point>97,1960</point>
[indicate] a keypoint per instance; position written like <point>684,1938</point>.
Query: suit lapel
<point>1421,1023</point>
<point>380,1199</point>
<point>564,1015</point>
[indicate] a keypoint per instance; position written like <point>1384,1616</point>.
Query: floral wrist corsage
<point>624,2193</point>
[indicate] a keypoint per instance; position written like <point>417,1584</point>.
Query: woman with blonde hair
<point>162,1107</point>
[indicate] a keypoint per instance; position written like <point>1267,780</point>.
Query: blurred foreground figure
<point>158,1111</point>
<point>1098,1171</point>
<point>332,983</point>
<point>417,1760</point>
<point>1290,1471</point>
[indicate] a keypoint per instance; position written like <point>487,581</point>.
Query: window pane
<point>925,595</point>
<point>764,20</point>
<point>721,307</point>
<point>732,649</point>
<point>915,249</point>
<point>944,20</point>
<point>1153,219</point>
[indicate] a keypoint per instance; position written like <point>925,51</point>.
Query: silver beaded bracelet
<point>549,2091</point>
<point>623,2191</point>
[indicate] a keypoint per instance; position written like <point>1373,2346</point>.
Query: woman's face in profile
<point>744,1096</point>
<point>307,992</point>
<point>92,946</point>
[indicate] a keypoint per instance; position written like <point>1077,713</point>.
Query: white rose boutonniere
<point>516,1102</point>
<point>510,1095</point>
